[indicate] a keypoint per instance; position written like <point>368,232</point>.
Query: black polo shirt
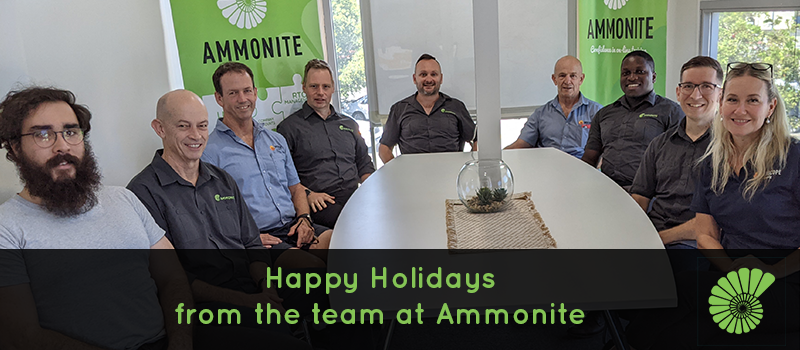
<point>667,175</point>
<point>446,129</point>
<point>329,154</point>
<point>208,223</point>
<point>621,133</point>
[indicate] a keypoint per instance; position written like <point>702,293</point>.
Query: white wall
<point>683,40</point>
<point>109,53</point>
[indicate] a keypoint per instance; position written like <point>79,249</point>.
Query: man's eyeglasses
<point>705,88</point>
<point>47,138</point>
<point>755,66</point>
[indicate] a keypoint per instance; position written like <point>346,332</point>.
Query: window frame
<point>709,21</point>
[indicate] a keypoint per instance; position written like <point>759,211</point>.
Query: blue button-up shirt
<point>263,174</point>
<point>549,127</point>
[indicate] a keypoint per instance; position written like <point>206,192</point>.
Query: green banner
<point>610,29</point>
<point>274,38</point>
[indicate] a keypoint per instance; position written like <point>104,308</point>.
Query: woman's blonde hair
<point>769,149</point>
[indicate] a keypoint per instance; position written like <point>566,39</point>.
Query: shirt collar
<point>582,100</point>
<point>680,131</point>
<point>442,98</point>
<point>221,127</point>
<point>307,111</point>
<point>166,175</point>
<point>651,98</point>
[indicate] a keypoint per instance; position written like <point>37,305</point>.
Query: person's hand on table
<point>318,200</point>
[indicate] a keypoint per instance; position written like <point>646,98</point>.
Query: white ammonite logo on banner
<point>245,14</point>
<point>612,4</point>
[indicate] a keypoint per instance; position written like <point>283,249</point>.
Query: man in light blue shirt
<point>261,164</point>
<point>563,122</point>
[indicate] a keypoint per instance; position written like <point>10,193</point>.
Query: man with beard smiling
<point>78,299</point>
<point>622,130</point>
<point>563,122</point>
<point>427,121</point>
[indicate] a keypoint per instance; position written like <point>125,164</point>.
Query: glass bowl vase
<point>485,185</point>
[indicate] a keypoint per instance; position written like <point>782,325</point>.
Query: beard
<point>63,197</point>
<point>433,92</point>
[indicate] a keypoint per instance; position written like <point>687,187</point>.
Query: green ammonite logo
<point>245,14</point>
<point>449,112</point>
<point>734,303</point>
<point>218,198</point>
<point>615,4</point>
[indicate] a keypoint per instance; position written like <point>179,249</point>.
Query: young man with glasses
<point>664,183</point>
<point>71,298</point>
<point>622,130</point>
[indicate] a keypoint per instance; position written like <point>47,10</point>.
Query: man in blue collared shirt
<point>260,162</point>
<point>563,122</point>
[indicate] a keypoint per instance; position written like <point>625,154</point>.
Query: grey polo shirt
<point>329,154</point>
<point>210,215</point>
<point>446,129</point>
<point>667,175</point>
<point>621,133</point>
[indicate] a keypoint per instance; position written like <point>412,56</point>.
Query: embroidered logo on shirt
<point>342,127</point>
<point>271,148</point>
<point>585,125</point>
<point>734,304</point>
<point>218,198</point>
<point>450,112</point>
<point>645,115</point>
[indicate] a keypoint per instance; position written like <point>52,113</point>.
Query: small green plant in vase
<point>487,200</point>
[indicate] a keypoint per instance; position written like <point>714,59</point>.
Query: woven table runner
<point>518,226</point>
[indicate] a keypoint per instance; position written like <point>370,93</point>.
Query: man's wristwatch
<point>307,217</point>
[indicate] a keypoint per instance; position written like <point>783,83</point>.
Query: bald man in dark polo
<point>205,217</point>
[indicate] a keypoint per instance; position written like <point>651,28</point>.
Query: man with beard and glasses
<point>427,121</point>
<point>564,122</point>
<point>67,298</point>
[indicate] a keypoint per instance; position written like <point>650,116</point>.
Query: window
<point>758,35</point>
<point>349,45</point>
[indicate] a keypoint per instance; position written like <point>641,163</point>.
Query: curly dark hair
<point>645,56</point>
<point>18,105</point>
